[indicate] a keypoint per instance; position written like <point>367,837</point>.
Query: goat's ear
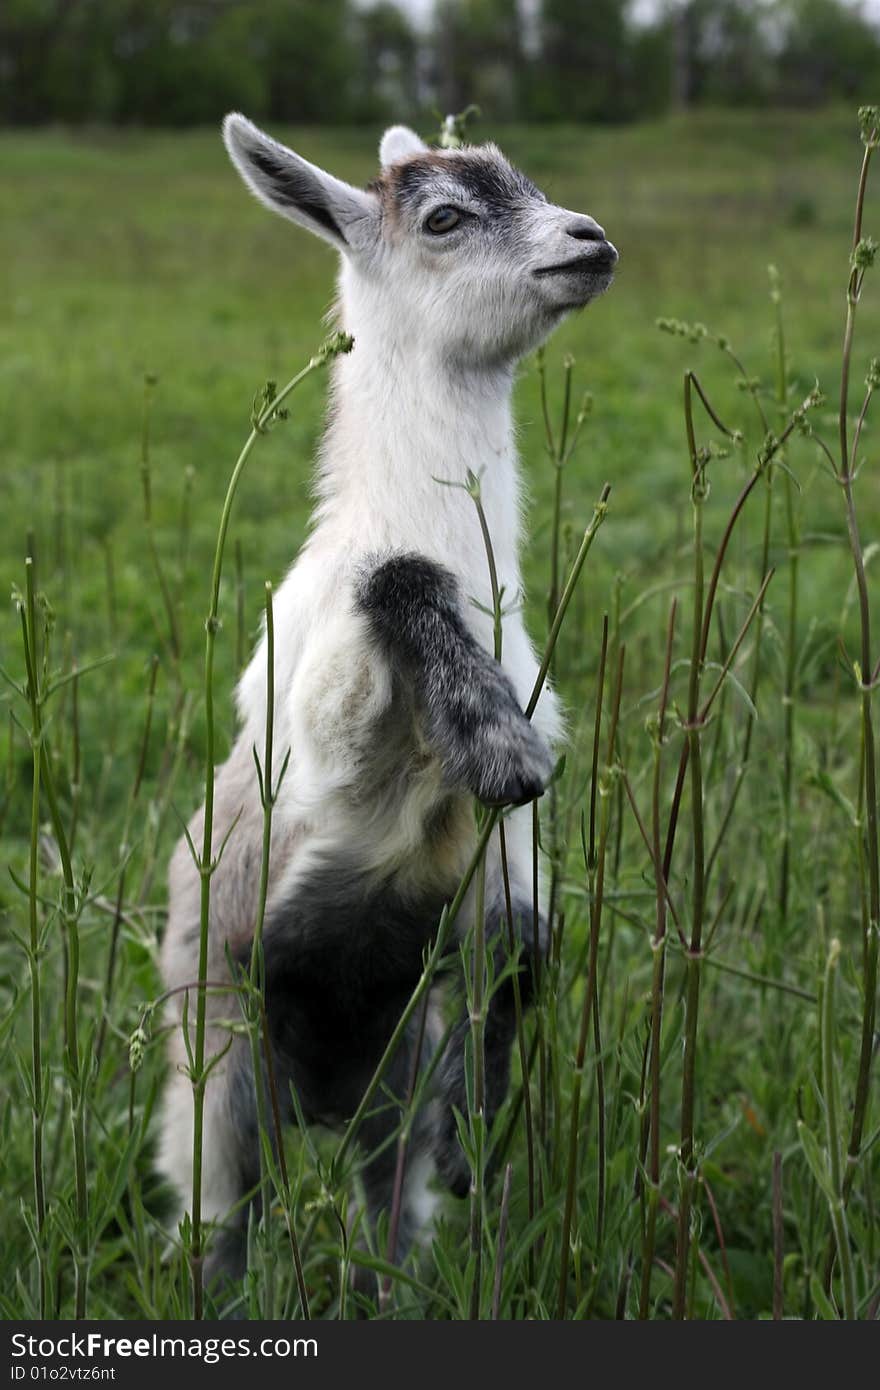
<point>397,143</point>
<point>286,183</point>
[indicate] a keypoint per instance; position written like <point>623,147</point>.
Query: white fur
<point>397,143</point>
<point>424,398</point>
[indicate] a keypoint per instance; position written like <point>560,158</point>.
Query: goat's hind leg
<point>235,1123</point>
<point>230,1155</point>
<point>379,1143</point>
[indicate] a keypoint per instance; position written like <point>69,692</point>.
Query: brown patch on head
<point>392,183</point>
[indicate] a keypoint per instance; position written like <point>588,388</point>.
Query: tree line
<point>182,62</point>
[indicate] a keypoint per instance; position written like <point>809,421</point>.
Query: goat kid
<point>387,692</point>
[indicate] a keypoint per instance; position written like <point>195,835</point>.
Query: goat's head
<point>455,249</point>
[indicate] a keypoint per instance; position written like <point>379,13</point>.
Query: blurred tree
<point>584,69</point>
<point>828,51</point>
<point>389,64</point>
<point>55,61</point>
<point>187,61</point>
<point>652,68</point>
<point>478,56</point>
<point>310,58</point>
<point>721,51</point>
<point>183,63</point>
<point>176,61</point>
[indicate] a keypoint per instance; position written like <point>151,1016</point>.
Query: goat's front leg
<point>473,718</point>
<point>488,746</point>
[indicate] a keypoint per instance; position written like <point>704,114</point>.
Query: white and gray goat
<point>387,692</point>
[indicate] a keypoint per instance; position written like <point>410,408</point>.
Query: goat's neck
<point>402,419</point>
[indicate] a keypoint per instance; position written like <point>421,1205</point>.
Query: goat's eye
<point>443,220</point>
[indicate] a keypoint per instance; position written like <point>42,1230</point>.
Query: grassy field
<point>133,256</point>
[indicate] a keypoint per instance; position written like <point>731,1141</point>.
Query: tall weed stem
<point>267,410</point>
<point>606,788</point>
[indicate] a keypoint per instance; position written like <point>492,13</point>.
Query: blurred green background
<point>127,251</point>
<point>124,253</point>
<point>711,139</point>
<point>181,62</point>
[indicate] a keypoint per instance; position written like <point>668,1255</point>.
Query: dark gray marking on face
<point>487,179</point>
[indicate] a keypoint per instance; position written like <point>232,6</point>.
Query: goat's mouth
<point>599,264</point>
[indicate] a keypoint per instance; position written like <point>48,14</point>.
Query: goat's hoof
<point>512,763</point>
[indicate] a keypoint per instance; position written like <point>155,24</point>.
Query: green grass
<point>127,254</point>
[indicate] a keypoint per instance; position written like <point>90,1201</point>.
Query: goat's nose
<point>585,229</point>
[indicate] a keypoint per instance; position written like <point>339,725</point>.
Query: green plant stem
<point>745,754</point>
<point>658,948</point>
<point>207,864</point>
<point>400,1158</point>
<point>34,951</point>
<point>599,513</point>
<point>764,981</point>
<point>789,695</point>
<point>76,1080</point>
<point>240,634</point>
<point>694,960</point>
<point>268,792</point>
<point>268,796</point>
<point>70,928</point>
<point>538,971</point>
<point>558,456</point>
<point>478,1114</point>
<point>711,590</point>
<point>146,484</point>
<point>501,1243</point>
<point>832,1135</point>
<point>605,792</point>
<point>591,868</point>
<point>110,975</point>
<point>512,945</point>
<point>589,536</point>
<point>601,1132</point>
<point>846,476</point>
<point>75,755</point>
<point>522,1047</point>
<point>778,1239</point>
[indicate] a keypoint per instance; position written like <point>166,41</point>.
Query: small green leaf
<point>823,1303</point>
<point>823,782</point>
<point>816,1159</point>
